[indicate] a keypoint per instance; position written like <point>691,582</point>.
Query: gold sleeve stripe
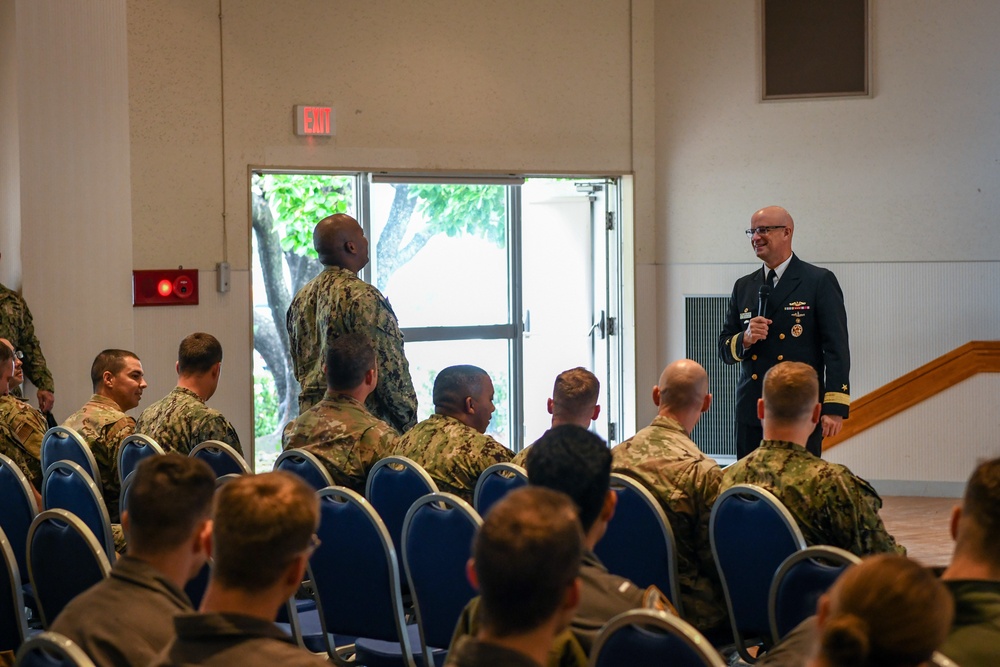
<point>837,397</point>
<point>733,342</point>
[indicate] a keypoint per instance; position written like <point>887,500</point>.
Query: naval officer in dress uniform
<point>803,320</point>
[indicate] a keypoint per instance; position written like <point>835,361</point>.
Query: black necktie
<point>771,278</point>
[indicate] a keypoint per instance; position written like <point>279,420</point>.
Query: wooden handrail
<point>932,378</point>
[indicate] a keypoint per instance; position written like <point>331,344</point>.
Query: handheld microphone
<point>762,295</point>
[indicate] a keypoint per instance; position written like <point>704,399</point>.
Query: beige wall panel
<point>75,191</point>
<point>910,174</point>
<point>10,160</point>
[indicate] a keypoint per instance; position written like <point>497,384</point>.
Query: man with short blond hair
<point>118,384</point>
<point>264,531</point>
<point>830,504</point>
<point>181,420</point>
<point>664,459</point>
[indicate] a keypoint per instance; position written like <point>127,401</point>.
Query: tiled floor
<point>921,525</point>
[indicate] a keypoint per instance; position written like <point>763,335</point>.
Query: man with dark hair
<point>664,459</point>
<point>126,619</point>
<point>347,438</point>
<point>181,420</point>
<point>12,437</point>
<point>830,504</point>
<point>264,530</point>
<point>574,401</point>
<point>525,560</point>
<point>118,383</point>
<point>337,302</point>
<point>452,444</point>
<point>973,577</point>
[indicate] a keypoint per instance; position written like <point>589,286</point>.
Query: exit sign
<point>313,121</point>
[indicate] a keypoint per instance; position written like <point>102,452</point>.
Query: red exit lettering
<point>316,120</point>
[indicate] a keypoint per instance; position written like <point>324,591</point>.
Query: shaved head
<point>683,385</point>
<point>340,241</point>
<point>774,246</point>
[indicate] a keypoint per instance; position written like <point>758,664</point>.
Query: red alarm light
<point>165,287</point>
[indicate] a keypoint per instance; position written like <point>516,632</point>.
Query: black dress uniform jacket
<point>808,324</point>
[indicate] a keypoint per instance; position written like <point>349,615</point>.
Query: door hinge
<point>609,220</point>
<point>612,431</point>
<point>612,326</point>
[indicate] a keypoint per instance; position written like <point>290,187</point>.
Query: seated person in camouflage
<point>118,383</point>
<point>339,430</point>
<point>127,618</point>
<point>830,504</point>
<point>574,461</point>
<point>525,560</point>
<point>181,420</point>
<point>664,459</point>
<point>10,444</point>
<point>27,424</point>
<point>452,444</point>
<point>574,401</point>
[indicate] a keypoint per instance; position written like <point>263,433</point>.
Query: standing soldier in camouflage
<point>664,459</point>
<point>10,444</point>
<point>181,420</point>
<point>16,326</point>
<point>26,423</point>
<point>337,302</point>
<point>452,444</point>
<point>102,422</point>
<point>338,429</point>
<point>830,504</point>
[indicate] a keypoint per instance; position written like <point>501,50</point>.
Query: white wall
<point>10,170</point>
<point>896,193</point>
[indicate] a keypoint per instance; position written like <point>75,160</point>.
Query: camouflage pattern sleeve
<point>394,394</point>
<point>219,428</point>
<point>869,534</point>
<point>11,447</point>
<point>17,326</point>
<point>106,455</point>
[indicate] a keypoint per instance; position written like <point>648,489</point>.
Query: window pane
<point>426,359</point>
<point>440,253</point>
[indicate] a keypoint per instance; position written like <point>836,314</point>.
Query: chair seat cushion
<point>377,653</point>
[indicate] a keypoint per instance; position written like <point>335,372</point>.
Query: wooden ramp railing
<point>919,385</point>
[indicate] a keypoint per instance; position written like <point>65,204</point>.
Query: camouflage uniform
<point>686,482</point>
<point>831,505</point>
<point>103,426</point>
<point>521,458</point>
<point>25,422</point>
<point>180,420</point>
<point>17,327</point>
<point>454,454</point>
<point>345,437</point>
<point>337,302</point>
<point>11,447</point>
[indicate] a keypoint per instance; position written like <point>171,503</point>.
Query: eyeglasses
<point>760,231</point>
<point>18,354</point>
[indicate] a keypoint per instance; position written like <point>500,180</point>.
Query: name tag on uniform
<point>746,316</point>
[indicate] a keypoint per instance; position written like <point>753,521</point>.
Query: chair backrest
<point>437,541</point>
<point>126,489</point>
<point>64,559</point>
<point>357,583</point>
<point>306,465</point>
<point>222,458</point>
<point>751,534</point>
<point>133,449</point>
<point>62,443</point>
<point>647,637</point>
<point>639,543</point>
<point>13,624</point>
<point>800,581</point>
<point>496,482</point>
<point>393,485</point>
<point>19,509</point>
<point>51,649</point>
<point>67,486</point>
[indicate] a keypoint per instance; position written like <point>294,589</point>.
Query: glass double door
<point>517,276</point>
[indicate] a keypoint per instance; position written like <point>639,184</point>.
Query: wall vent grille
<point>715,433</point>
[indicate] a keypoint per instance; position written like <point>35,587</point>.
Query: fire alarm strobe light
<point>165,287</point>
